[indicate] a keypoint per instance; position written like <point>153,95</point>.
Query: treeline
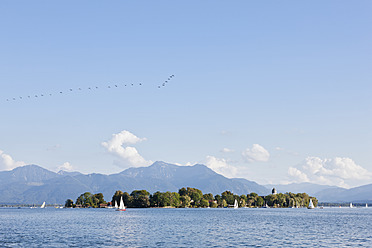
<point>193,198</point>
<point>87,200</point>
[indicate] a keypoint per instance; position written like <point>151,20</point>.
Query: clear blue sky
<point>288,80</point>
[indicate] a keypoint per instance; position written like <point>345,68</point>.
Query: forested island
<point>191,198</point>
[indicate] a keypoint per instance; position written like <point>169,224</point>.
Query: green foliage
<point>213,204</point>
<point>204,203</point>
<point>140,199</point>
<point>208,197</point>
<point>223,203</point>
<point>87,200</point>
<point>98,199</point>
<point>192,197</point>
<point>196,195</point>
<point>218,199</point>
<point>156,200</point>
<point>182,191</point>
<point>241,202</point>
<point>185,201</point>
<point>69,203</point>
<point>228,197</point>
<point>259,202</point>
<point>175,200</point>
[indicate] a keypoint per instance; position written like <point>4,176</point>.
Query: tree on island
<point>140,199</point>
<point>89,200</point>
<point>69,203</point>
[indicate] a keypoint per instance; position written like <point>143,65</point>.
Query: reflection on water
<point>185,227</point>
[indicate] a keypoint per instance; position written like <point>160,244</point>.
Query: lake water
<point>49,227</point>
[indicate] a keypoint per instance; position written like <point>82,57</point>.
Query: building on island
<point>274,191</point>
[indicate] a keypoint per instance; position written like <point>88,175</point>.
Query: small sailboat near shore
<point>311,205</point>
<point>42,205</point>
<point>351,205</point>
<point>121,205</point>
<point>366,205</point>
<point>236,204</point>
<point>265,206</point>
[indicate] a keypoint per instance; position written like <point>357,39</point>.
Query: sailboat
<point>121,206</point>
<point>116,204</point>
<point>351,205</point>
<point>366,205</point>
<point>265,206</point>
<point>42,205</point>
<point>311,205</point>
<point>236,204</point>
<point>293,204</point>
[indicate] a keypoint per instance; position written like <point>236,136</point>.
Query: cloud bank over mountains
<point>221,166</point>
<point>129,156</point>
<point>8,163</point>
<point>66,166</point>
<point>337,171</point>
<point>256,154</point>
<point>251,155</point>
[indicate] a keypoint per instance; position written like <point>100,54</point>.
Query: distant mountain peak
<point>29,174</point>
<point>28,166</point>
<point>68,173</point>
<point>161,164</point>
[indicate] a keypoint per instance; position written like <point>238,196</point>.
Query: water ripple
<point>329,227</point>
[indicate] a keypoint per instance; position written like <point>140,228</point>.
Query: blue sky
<point>266,90</point>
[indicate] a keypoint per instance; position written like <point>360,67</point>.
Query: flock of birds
<point>89,89</point>
<point>166,81</point>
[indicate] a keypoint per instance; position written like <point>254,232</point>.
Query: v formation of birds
<point>113,86</point>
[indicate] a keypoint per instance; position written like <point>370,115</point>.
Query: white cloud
<point>256,153</point>
<point>337,171</point>
<point>298,174</point>
<point>186,164</point>
<point>7,162</point>
<point>129,156</point>
<point>227,150</point>
<point>65,167</point>
<point>221,166</point>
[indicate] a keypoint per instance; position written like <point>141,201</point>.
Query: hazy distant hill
<point>198,176</point>
<point>326,193</point>
<point>33,184</point>
<point>309,188</point>
<point>26,174</point>
<point>362,194</point>
<point>68,173</point>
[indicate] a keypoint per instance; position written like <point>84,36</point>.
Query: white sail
<point>236,204</point>
<point>351,205</point>
<point>311,205</point>
<point>116,204</point>
<point>43,205</point>
<point>121,206</point>
<point>366,205</point>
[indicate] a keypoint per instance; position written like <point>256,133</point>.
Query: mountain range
<point>32,184</point>
<point>326,193</point>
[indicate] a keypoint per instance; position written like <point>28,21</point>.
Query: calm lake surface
<point>50,227</point>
